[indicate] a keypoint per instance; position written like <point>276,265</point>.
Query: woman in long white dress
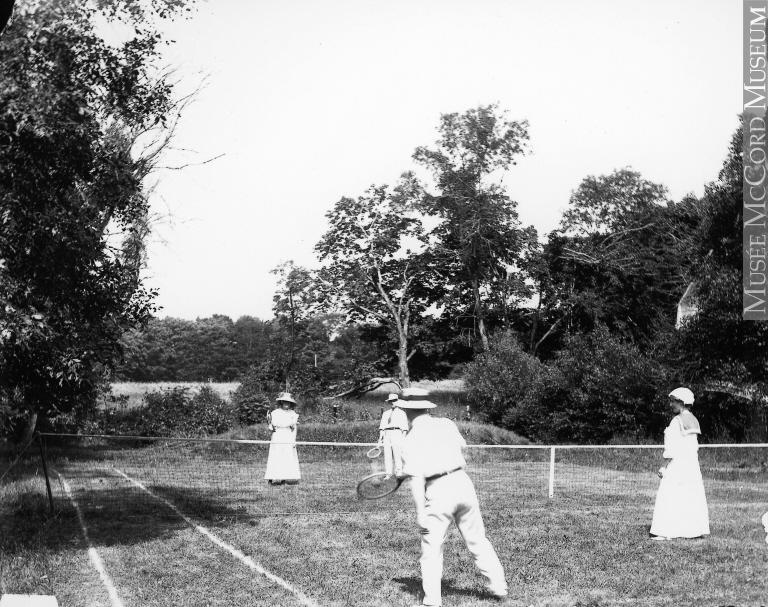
<point>283,460</point>
<point>681,505</point>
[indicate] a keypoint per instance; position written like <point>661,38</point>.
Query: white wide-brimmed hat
<point>285,397</point>
<point>392,397</point>
<point>683,394</point>
<point>414,398</point>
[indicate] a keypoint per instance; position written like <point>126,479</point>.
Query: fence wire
<point>220,479</point>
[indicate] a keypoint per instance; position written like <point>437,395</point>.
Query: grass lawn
<point>588,546</point>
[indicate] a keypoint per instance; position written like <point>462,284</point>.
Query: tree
<point>717,346</point>
<point>375,266</point>
<point>292,304</point>
<point>251,339</point>
<point>480,245</point>
<point>616,260</point>
<point>73,113</point>
<point>611,203</point>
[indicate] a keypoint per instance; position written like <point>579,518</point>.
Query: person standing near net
<point>443,493</point>
<point>392,429</point>
<point>283,460</point>
<point>681,505</point>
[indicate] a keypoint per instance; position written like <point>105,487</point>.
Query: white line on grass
<point>243,558</point>
<point>96,561</point>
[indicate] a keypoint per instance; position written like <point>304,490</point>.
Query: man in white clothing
<point>392,429</point>
<point>443,493</point>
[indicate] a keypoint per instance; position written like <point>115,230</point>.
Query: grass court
<point>209,531</point>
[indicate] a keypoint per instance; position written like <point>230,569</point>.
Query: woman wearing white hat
<point>283,461</point>
<point>681,505</point>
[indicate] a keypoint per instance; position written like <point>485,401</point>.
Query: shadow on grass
<point>121,516</point>
<point>412,586</point>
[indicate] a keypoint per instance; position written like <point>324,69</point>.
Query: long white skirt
<point>681,505</point>
<point>283,460</point>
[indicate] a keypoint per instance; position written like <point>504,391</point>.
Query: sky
<point>302,102</point>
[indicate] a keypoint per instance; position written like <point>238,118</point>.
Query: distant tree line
<point>218,349</point>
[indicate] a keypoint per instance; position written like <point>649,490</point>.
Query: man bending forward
<point>443,493</point>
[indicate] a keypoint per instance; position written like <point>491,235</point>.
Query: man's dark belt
<point>436,476</point>
<point>392,428</point>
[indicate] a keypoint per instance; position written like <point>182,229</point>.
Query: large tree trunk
<point>29,431</point>
<point>480,315</point>
<point>402,359</point>
<point>534,327</point>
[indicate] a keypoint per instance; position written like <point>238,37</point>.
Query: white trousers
<point>453,498</point>
<point>393,451</point>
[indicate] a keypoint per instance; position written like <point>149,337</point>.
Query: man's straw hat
<point>415,398</point>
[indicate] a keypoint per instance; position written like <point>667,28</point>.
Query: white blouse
<point>679,442</point>
<point>280,418</point>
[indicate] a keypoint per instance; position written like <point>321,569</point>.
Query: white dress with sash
<point>681,505</point>
<point>283,461</point>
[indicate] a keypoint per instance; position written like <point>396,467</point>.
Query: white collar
<point>416,420</point>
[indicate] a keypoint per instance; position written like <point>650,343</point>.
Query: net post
<point>551,472</point>
<point>41,444</point>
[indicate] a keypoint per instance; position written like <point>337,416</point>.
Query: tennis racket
<point>378,485</point>
<point>373,453</point>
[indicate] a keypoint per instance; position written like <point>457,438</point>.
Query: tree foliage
<point>618,260</point>
<point>375,265</point>
<point>597,387</point>
<point>72,197</point>
<point>611,203</point>
<point>479,244</point>
<point>717,344</point>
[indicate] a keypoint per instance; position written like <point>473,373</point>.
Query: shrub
<point>172,412</point>
<point>596,388</point>
<point>251,402</point>
<point>257,391</point>
<point>499,381</point>
<point>211,414</point>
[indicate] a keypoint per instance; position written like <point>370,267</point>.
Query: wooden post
<point>551,473</point>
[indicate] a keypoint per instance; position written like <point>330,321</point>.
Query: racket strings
<point>377,485</point>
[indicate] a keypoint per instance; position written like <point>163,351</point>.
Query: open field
<point>586,547</point>
<point>135,391</point>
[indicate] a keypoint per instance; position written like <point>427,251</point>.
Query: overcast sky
<point>311,100</point>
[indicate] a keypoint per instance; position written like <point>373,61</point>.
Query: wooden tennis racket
<point>378,485</point>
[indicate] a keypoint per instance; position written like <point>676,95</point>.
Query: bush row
<point>178,412</point>
<point>597,389</point>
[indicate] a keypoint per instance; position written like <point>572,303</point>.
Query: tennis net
<point>221,478</point>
